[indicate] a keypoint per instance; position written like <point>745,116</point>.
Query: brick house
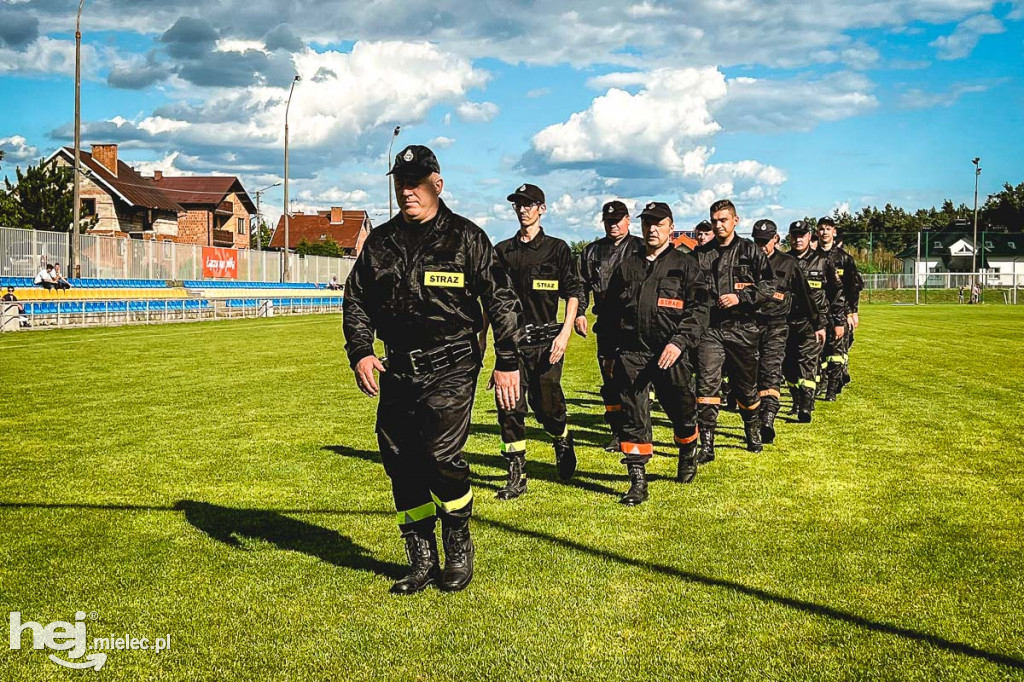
<point>124,203</point>
<point>348,228</point>
<point>216,210</point>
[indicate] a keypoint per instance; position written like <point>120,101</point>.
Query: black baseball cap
<point>799,227</point>
<point>614,211</point>
<point>764,231</point>
<point>826,221</point>
<point>657,210</point>
<point>703,226</point>
<point>527,194</point>
<point>415,161</point>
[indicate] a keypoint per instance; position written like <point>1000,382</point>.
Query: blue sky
<point>790,109</point>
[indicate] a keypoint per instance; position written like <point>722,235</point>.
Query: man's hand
<point>506,388</point>
<point>608,366</point>
<point>728,300</point>
<point>581,325</point>
<point>364,375</point>
<point>840,331</point>
<point>819,336</point>
<point>669,356</point>
<point>558,347</point>
<point>854,320</point>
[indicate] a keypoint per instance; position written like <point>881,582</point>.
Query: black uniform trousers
<point>771,352</point>
<point>422,427</point>
<point>540,384</point>
<point>833,356</point>
<point>732,347</point>
<point>634,375</point>
<point>610,398</point>
<point>800,367</point>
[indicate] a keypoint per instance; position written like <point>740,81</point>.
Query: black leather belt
<point>537,334</point>
<point>429,360</point>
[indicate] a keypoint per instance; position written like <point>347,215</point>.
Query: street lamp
<point>259,224</point>
<point>391,194</point>
<point>284,273</point>
<point>77,191</point>
<point>974,250</point>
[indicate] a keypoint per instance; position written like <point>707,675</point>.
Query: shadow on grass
<point>229,525</point>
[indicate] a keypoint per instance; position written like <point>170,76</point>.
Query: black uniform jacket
<point>542,270</point>
<point>430,296</point>
<point>597,263</point>
<point>653,303</point>
<point>791,299</point>
<point>739,268</point>
<point>825,285</point>
<point>846,268</point>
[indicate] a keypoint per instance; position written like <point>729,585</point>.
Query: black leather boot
<point>769,409</point>
<point>421,549</point>
<point>614,445</point>
<point>752,430</point>
<point>707,445</point>
<point>832,389</point>
<point>637,492</point>
<point>807,398</point>
<point>459,553</point>
<point>687,469</point>
<point>565,456</point>
<point>516,484</point>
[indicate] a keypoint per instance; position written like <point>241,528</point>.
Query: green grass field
<point>219,482</point>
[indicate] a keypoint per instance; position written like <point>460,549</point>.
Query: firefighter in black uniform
<point>740,281</point>
<point>791,303</point>
<point>705,253</point>
<point>836,365</point>
<point>542,270</point>
<point>597,263</point>
<point>418,286</point>
<point>655,312</point>
<point>805,341</point>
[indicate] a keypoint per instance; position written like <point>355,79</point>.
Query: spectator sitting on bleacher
<point>9,297</point>
<point>59,281</point>
<point>44,277</point>
<point>334,284</point>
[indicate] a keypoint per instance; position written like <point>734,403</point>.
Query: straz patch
<point>444,279</point>
<point>740,286</point>
<point>545,285</point>
<point>779,296</point>
<point>676,303</point>
<point>814,284</point>
<point>840,271</point>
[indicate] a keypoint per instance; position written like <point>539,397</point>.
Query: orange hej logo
<point>220,262</point>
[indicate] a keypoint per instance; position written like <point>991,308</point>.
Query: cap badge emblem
<point>650,205</point>
<point>522,188</point>
<point>408,156</point>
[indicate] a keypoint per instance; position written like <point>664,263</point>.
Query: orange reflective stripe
<point>688,439</point>
<point>745,407</point>
<point>613,408</point>
<point>709,401</point>
<point>637,448</point>
<point>770,391</point>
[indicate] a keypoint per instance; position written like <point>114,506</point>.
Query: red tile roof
<point>129,185</point>
<point>685,241</point>
<point>203,190</point>
<point>317,228</point>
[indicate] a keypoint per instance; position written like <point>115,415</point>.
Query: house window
<point>88,208</point>
<point>937,245</point>
<point>241,225</point>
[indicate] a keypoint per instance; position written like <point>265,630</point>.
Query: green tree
<point>44,197</point>
<point>329,247</point>
<point>265,233</point>
<point>1005,208</point>
<point>577,246</point>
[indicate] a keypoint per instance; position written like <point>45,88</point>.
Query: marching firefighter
<point>542,270</point>
<point>741,281</point>
<point>806,340</point>
<point>791,304</point>
<point>418,286</point>
<point>597,263</point>
<point>836,364</point>
<point>654,313</point>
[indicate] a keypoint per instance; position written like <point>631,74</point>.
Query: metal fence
<point>23,252</point>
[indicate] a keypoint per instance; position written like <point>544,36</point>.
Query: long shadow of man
<point>229,526</point>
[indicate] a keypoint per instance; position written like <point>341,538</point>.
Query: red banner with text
<point>219,262</point>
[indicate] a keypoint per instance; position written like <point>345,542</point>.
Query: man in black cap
<point>837,363</point>
<point>803,349</point>
<point>741,281</point>
<point>791,303</point>
<point>655,311</point>
<point>542,270</point>
<point>597,263</point>
<point>418,286</point>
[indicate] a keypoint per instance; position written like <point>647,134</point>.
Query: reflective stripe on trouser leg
<point>806,383</point>
<point>686,440</point>
<point>420,513</point>
<point>454,505</point>
<point>518,447</point>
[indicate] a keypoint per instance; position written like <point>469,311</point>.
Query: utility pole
<point>77,191</point>
<point>974,247</point>
<point>284,272</point>
<point>259,216</point>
